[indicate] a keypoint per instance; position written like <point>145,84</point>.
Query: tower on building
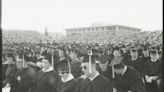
<point>46,33</point>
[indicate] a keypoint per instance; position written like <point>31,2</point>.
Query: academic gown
<point>126,56</point>
<point>4,68</point>
<point>137,64</point>
<point>76,69</point>
<point>69,86</point>
<point>10,75</point>
<point>107,73</point>
<point>130,80</point>
<point>153,69</point>
<point>46,81</point>
<point>99,84</point>
<point>24,79</point>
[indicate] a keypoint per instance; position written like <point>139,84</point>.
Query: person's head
<point>80,57</point>
<point>61,53</point>
<point>10,58</point>
<point>86,66</point>
<point>103,62</point>
<point>145,51</point>
<point>119,68</point>
<point>123,48</point>
<point>73,55</point>
<point>134,52</point>
<point>64,68</point>
<point>109,50</point>
<point>154,55</point>
<point>19,63</point>
<point>117,52</point>
<point>45,63</point>
<point>160,54</point>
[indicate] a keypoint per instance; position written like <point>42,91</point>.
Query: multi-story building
<point>100,29</point>
<point>99,32</point>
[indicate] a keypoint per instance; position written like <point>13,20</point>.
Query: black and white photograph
<point>82,45</point>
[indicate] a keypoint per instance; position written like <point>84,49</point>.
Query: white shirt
<point>97,74</point>
<point>48,70</point>
<point>154,60</point>
<point>70,77</point>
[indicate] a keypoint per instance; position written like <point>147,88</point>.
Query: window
<point>88,29</point>
<point>92,29</point>
<point>103,28</point>
<point>97,28</point>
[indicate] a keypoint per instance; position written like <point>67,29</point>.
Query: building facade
<point>100,33</point>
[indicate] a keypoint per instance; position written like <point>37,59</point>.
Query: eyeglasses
<point>84,67</point>
<point>63,72</point>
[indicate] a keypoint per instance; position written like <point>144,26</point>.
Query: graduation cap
<point>86,58</point>
<point>154,50</point>
<point>123,46</point>
<point>64,65</point>
<point>10,55</point>
<point>145,48</point>
<point>48,57</point>
<point>90,58</point>
<point>119,66</point>
<point>118,49</point>
<point>100,50</point>
<point>133,49</point>
<point>103,59</point>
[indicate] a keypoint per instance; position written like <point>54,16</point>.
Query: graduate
<point>66,83</point>
<point>117,52</point>
<point>108,52</point>
<point>95,82</point>
<point>127,79</point>
<point>47,77</point>
<point>7,65</point>
<point>146,55</point>
<point>153,72</point>
<point>135,61</point>
<point>104,69</point>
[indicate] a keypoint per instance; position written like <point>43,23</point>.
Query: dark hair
<point>118,49</point>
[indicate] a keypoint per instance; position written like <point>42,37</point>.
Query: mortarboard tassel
<point>113,76</point>
<point>90,54</point>
<point>23,61</point>
<point>69,66</point>
<point>52,59</point>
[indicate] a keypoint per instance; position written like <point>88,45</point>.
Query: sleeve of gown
<point>137,84</point>
<point>53,80</point>
<point>108,87</point>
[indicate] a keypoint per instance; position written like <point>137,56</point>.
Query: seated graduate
<point>94,81</point>
<point>135,61</point>
<point>67,82</point>
<point>127,79</point>
<point>153,72</point>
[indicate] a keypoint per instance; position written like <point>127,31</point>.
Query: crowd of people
<point>118,36</point>
<point>82,67</point>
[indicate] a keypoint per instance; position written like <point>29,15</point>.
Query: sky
<point>58,15</point>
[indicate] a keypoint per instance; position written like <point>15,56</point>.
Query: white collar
<point>134,59</point>
<point>70,77</point>
<point>62,58</point>
<point>124,70</point>
<point>48,70</point>
<point>97,74</point>
<point>154,60</point>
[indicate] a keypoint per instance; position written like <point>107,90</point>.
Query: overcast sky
<point>57,15</point>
